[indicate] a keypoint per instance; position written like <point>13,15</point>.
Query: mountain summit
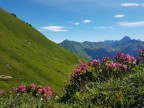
<point>125,39</point>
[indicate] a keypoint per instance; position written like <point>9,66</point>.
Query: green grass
<point>28,56</point>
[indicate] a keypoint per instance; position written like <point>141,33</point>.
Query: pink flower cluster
<point>141,52</point>
<point>124,58</point>
<point>20,89</point>
<point>105,59</point>
<point>33,86</point>
<point>123,62</point>
<point>77,70</point>
<point>45,91</point>
<point>82,66</point>
<point>96,61</point>
<point>117,66</point>
<point>34,89</point>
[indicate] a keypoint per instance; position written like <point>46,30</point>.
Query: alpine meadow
<point>71,54</point>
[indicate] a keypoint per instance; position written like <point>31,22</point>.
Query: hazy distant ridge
<point>97,50</point>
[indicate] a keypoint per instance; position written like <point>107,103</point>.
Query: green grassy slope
<point>27,56</point>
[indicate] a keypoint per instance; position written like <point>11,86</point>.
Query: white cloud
<point>55,28</point>
<point>111,27</point>
<point>119,16</point>
<point>101,27</point>
<point>132,4</point>
<point>132,24</point>
<point>76,23</point>
<point>105,27</point>
<point>87,21</point>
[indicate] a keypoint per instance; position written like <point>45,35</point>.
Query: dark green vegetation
<point>27,56</point>
<point>123,92</point>
<point>97,50</point>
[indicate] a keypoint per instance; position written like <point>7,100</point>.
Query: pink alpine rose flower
<point>76,70</point>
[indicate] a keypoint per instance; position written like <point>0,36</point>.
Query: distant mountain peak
<point>125,38</point>
<point>65,40</point>
<point>86,42</point>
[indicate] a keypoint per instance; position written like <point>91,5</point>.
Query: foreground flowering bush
<point>88,75</point>
<point>104,69</point>
<point>26,95</point>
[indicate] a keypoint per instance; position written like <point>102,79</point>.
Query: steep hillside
<point>27,56</point>
<point>76,48</point>
<point>98,50</point>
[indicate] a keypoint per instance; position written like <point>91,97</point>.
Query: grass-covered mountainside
<point>97,50</point>
<point>27,56</point>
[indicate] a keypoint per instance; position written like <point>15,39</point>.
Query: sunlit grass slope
<point>27,56</point>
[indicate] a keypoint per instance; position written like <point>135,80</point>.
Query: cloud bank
<point>119,16</point>
<point>105,27</point>
<point>132,4</point>
<point>55,28</point>
<point>132,24</point>
<point>86,21</point>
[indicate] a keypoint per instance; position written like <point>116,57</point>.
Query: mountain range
<point>97,50</point>
<point>27,56</point>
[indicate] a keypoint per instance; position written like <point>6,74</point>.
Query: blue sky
<point>81,20</point>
